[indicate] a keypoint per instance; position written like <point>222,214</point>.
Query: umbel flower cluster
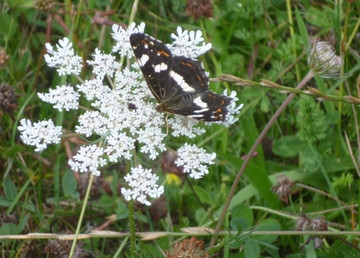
<point>122,112</point>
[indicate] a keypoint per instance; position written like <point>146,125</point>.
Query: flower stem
<point>251,152</point>
<point>132,229</point>
<point>91,179</point>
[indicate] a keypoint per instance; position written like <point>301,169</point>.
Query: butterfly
<point>178,83</point>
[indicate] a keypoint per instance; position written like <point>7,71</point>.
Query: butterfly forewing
<point>155,61</point>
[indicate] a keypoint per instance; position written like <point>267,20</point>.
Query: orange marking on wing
<point>218,110</point>
<point>190,65</point>
<point>145,42</point>
<point>162,52</point>
<point>212,96</point>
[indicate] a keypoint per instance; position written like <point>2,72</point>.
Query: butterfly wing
<point>155,61</point>
<point>205,106</point>
<point>179,84</point>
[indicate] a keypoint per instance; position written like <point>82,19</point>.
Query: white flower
<point>151,137</point>
<point>119,146</point>
<point>88,159</point>
<point>63,97</point>
<point>103,64</point>
<point>93,88</point>
<point>232,108</point>
<point>185,126</point>
<point>64,59</point>
<point>122,37</point>
<point>186,44</point>
<point>194,160</point>
<point>90,122</point>
<point>142,183</point>
<point>40,134</point>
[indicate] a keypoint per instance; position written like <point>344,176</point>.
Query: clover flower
<point>121,113</point>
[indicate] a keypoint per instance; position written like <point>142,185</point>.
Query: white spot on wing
<point>201,103</point>
<point>194,116</point>
<point>160,67</point>
<point>143,60</point>
<point>181,82</point>
<point>201,110</point>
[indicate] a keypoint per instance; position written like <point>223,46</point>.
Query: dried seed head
<point>323,60</point>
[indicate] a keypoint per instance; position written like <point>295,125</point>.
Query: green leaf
<point>69,183</point>
<point>265,104</point>
<point>10,189</point>
<point>243,214</point>
<point>203,195</point>
<point>308,160</point>
<point>267,225</point>
<point>311,120</point>
<point>8,229</point>
<point>288,146</point>
<point>302,28</point>
<point>252,249</point>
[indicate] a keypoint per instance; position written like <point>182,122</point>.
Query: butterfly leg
<point>167,125</point>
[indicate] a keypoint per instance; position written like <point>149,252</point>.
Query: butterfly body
<point>178,83</point>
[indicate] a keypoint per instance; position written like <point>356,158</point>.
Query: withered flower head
<point>3,59</point>
<point>198,8</point>
<point>317,224</point>
<point>8,98</point>
<point>283,188</point>
<point>188,248</point>
<point>323,60</point>
<point>47,6</point>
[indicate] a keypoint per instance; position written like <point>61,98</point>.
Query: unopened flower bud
<point>323,61</point>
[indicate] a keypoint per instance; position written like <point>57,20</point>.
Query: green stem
<point>292,34</point>
<point>252,151</point>
<point>81,215</point>
<point>132,229</point>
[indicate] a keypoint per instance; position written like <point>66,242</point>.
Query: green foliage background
<point>251,40</point>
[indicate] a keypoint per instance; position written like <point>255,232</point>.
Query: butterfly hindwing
<point>205,106</point>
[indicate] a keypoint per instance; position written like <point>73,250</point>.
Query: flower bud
<point>323,61</point>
